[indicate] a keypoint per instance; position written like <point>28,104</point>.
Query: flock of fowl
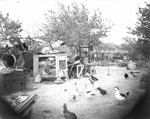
<point>118,95</point>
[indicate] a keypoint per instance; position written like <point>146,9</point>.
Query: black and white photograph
<point>74,59</point>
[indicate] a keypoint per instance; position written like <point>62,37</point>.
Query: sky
<point>122,14</point>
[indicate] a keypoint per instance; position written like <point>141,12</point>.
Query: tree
<point>131,47</point>
<point>9,29</point>
<point>142,31</point>
<point>74,25</point>
<point>142,28</point>
<point>143,47</point>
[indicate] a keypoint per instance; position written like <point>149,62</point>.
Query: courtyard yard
<point>51,97</point>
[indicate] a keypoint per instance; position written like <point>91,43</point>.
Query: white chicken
<point>71,97</point>
<point>91,93</point>
<point>80,87</point>
<point>120,96</point>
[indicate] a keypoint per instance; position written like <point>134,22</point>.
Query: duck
<point>126,75</point>
<point>120,96</point>
<point>102,91</point>
<point>68,114</point>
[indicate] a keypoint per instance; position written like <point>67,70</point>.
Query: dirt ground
<point>52,96</point>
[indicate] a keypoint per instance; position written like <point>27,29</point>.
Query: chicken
<point>95,91</point>
<point>126,75</point>
<point>92,79</point>
<point>68,114</point>
<point>71,97</point>
<point>128,68</point>
<point>120,96</point>
<point>134,74</point>
<point>91,93</point>
<point>20,62</point>
<point>102,91</point>
<point>80,87</point>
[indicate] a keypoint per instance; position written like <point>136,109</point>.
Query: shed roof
<point>63,49</point>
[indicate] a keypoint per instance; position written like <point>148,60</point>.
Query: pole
<point>108,62</point>
<point>108,70</point>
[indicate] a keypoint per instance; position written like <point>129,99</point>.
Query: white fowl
<point>80,87</point>
<point>120,96</point>
<point>91,93</point>
<point>71,96</point>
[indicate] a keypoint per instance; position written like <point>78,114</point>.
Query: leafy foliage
<point>9,28</point>
<point>109,46</point>
<point>131,47</point>
<point>142,30</point>
<point>75,25</point>
<point>136,47</point>
<point>143,47</point>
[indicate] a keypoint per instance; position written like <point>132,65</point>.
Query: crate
<point>12,81</point>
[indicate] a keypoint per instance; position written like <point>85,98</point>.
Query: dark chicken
<point>102,91</point>
<point>68,114</point>
<point>126,75</point>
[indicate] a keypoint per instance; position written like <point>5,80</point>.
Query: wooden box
<point>12,81</point>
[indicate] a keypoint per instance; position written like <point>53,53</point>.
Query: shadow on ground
<point>142,108</point>
<point>6,112</point>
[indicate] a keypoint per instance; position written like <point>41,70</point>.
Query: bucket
<point>132,66</point>
<point>10,60</point>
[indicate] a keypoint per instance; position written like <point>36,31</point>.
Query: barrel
<point>10,60</point>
